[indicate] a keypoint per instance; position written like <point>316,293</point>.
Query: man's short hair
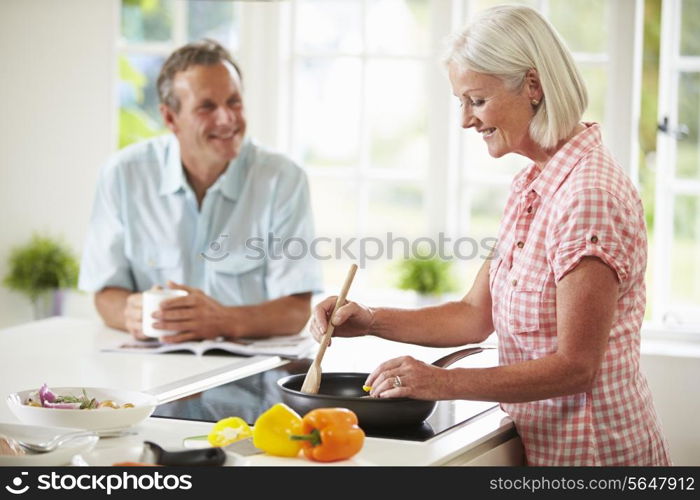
<point>204,52</point>
<point>507,41</point>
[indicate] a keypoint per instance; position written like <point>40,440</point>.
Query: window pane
<point>341,196</point>
<point>476,160</point>
<point>485,4</point>
<point>574,20</point>
<point>690,34</point>
<point>397,208</point>
<point>399,26</point>
<point>331,199</point>
<point>483,208</point>
<point>329,26</point>
<point>688,159</point>
<point>140,89</point>
<point>397,224</point>
<point>139,117</point>
<point>487,204</point>
<point>685,265</point>
<point>147,20</point>
<point>397,114</point>
<point>596,80</point>
<point>213,19</point>
<point>327,111</point>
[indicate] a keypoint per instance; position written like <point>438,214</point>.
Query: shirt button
<point>514,282</point>
<point>594,239</point>
<point>520,244</point>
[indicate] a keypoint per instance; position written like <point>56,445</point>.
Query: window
<point>676,276</point>
<point>363,83</point>
<point>484,182</point>
<point>150,31</point>
<point>372,118</point>
<point>353,90</point>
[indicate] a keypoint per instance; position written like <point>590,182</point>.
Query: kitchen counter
<point>66,352</point>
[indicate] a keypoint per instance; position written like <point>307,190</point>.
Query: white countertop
<point>66,352</point>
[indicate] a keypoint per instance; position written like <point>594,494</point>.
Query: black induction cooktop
<point>250,396</point>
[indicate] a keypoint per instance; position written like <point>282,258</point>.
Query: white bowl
<point>96,419</point>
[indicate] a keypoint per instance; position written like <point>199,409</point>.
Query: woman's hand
<point>407,377</point>
<point>351,319</point>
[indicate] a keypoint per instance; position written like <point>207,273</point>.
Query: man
<point>203,209</point>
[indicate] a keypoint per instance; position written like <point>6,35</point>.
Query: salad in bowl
<point>46,398</point>
<point>92,408</point>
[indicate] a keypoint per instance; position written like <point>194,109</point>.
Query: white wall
<point>673,380</point>
<point>57,124</point>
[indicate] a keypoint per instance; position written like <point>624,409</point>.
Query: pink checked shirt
<point>581,204</point>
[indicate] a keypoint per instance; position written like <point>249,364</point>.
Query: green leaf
<point>129,74</point>
<point>135,125</point>
<point>146,6</point>
<point>201,437</point>
<point>426,275</point>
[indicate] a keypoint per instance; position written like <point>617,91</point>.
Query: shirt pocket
<point>155,266</point>
<point>525,305</point>
<point>237,279</point>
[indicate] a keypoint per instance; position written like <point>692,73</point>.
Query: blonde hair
<point>507,41</point>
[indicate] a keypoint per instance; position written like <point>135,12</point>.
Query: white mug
<point>150,304</point>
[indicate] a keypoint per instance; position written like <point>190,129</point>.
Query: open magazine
<point>292,346</point>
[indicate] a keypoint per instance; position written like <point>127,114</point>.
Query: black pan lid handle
<point>196,457</point>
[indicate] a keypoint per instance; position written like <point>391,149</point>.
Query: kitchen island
<point>68,352</point>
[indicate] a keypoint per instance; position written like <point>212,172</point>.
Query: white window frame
<point>178,38</point>
<point>265,53</point>
<point>666,316</point>
<point>622,109</point>
<point>446,182</point>
<point>261,35</point>
<point>364,176</point>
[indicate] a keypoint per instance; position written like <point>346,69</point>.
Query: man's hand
<point>133,314</point>
<point>196,316</point>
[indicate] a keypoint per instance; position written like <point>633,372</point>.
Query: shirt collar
<point>232,180</point>
<point>545,182</point>
<point>230,183</point>
<point>173,178</point>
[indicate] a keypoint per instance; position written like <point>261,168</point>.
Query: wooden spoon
<point>312,381</point>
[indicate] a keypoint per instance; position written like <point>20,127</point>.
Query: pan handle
<point>447,360</point>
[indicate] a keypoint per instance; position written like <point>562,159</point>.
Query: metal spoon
<point>56,441</point>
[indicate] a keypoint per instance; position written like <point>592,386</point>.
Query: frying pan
<point>344,389</point>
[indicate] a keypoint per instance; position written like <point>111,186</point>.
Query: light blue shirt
<point>248,243</point>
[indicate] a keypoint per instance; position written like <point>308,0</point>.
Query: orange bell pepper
<point>330,434</point>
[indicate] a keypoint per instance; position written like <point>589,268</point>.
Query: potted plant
<point>41,270</point>
<point>430,277</point>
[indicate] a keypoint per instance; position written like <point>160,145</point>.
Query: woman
<point>565,290</point>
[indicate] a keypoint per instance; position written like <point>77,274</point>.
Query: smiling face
<point>210,124</point>
<point>502,116</point>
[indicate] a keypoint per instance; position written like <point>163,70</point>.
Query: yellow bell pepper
<point>229,430</point>
<point>273,428</point>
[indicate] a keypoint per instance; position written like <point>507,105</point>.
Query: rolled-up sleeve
<point>592,223</point>
<point>291,267</point>
<point>104,263</point>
